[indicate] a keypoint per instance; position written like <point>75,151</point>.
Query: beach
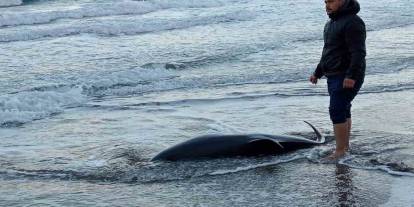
<point>91,90</point>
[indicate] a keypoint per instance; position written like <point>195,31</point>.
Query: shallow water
<point>91,90</point>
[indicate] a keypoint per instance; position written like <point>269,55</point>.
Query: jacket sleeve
<point>355,35</point>
<point>318,71</point>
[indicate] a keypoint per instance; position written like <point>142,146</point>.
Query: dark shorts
<point>341,98</point>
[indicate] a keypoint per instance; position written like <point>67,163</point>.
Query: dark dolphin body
<point>215,146</point>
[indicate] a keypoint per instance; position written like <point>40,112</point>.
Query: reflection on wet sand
<point>344,185</point>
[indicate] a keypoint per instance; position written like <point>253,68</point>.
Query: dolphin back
<point>215,146</point>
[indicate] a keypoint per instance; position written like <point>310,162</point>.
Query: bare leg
<point>341,132</point>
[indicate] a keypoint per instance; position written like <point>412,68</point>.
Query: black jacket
<point>344,49</point>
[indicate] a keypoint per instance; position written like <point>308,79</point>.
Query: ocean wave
<point>39,102</point>
<point>16,109</point>
<point>95,10</point>
<point>280,89</point>
<point>230,55</point>
<point>43,101</point>
<point>132,26</point>
<point>171,66</point>
<point>5,3</point>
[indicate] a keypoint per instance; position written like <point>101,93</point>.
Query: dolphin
<point>219,146</point>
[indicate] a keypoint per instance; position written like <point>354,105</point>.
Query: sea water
<point>91,90</point>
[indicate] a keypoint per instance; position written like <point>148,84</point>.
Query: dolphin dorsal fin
<point>321,138</point>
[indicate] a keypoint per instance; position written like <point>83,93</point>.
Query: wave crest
<point>5,3</point>
<point>93,10</point>
<point>115,27</point>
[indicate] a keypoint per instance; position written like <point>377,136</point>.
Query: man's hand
<point>349,83</point>
<point>313,79</point>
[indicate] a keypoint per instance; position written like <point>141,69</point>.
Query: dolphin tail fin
<point>321,138</point>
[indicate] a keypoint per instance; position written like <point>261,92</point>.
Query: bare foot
<point>334,157</point>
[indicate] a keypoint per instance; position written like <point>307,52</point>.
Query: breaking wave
<point>132,26</point>
<point>43,101</point>
<point>16,109</point>
<point>93,10</point>
<point>5,3</point>
<point>40,102</point>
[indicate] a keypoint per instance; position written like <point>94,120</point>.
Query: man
<point>343,63</point>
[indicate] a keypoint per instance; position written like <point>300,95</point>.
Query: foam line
<point>93,10</point>
<point>115,27</point>
<point>378,167</point>
<point>10,3</point>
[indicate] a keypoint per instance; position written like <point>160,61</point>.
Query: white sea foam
<point>117,27</point>
<point>31,105</point>
<point>95,10</point>
<point>41,102</point>
<point>402,190</point>
<point>384,168</point>
<point>123,81</point>
<point>10,3</point>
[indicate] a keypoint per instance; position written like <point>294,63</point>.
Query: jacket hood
<point>349,7</point>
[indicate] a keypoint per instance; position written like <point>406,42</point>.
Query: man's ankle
<point>341,151</point>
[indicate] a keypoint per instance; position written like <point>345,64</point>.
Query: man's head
<point>333,6</point>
